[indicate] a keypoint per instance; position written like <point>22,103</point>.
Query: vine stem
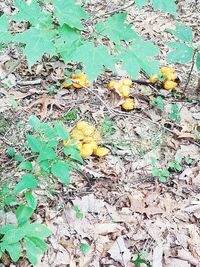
<point>190,73</point>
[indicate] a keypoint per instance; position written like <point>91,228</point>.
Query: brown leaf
<point>45,101</point>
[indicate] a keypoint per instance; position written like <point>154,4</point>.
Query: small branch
<point>27,83</point>
<point>190,73</point>
<point>113,11</point>
<point>12,69</point>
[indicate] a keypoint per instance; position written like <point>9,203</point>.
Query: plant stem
<point>190,73</point>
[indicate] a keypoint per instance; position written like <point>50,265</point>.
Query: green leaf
<point>115,28</point>
<point>13,236</point>
<point>34,122</point>
<point>31,200</point>
<point>28,181</point>
<point>68,41</point>
<point>11,152</point>
<point>140,3</point>
<point>45,166</point>
<point>181,54</point>
<point>168,6</point>
<point>39,243</point>
<point>159,102</point>
<point>46,154</point>
<point>84,248</point>
<point>93,59</point>
<point>18,158</point>
<point>25,165</point>
<point>27,12</point>
<point>35,144</point>
<point>23,213</point>
<point>165,173</point>
<point>5,37</point>
<point>32,250</point>
<point>8,200</point>
<point>198,61</point>
<point>14,250</point>
<point>155,171</point>
<point>38,42</point>
<point>61,131</point>
<point>182,32</point>
<point>139,56</point>
<point>69,13</point>
<point>74,153</point>
<point>60,169</point>
<point>36,230</point>
<point>7,227</point>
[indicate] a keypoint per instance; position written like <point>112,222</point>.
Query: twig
<point>27,83</point>
<point>113,11</point>
<point>190,73</point>
<point>12,69</point>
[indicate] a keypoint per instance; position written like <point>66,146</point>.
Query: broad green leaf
<point>32,250</point>
<point>61,131</point>
<point>139,57</point>
<point>5,37</point>
<point>11,151</point>
<point>35,144</point>
<point>14,250</point>
<point>13,236</point>
<point>27,12</point>
<point>168,6</point>
<point>70,13</point>
<point>140,3</point>
<point>28,181</point>
<point>45,166</point>
<point>182,32</point>
<point>116,29</point>
<point>93,59</point>
<point>60,170</point>
<point>36,230</point>
<point>34,122</point>
<point>198,61</point>
<point>74,153</point>
<point>39,243</point>
<point>68,41</point>
<point>46,154</point>
<point>31,200</point>
<point>25,165</point>
<point>181,54</point>
<point>49,132</point>
<point>23,213</point>
<point>5,228</point>
<point>38,42</point>
<point>8,200</point>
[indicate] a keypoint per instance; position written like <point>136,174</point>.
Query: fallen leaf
<point>119,252</point>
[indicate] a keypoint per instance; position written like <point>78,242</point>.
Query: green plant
<point>107,127</point>
<point>177,163</point>
<point>54,160</point>
<point>184,50</point>
<point>63,37</point>
<point>162,174</point>
<point>25,235</point>
<point>139,259</point>
<point>158,102</point>
<point>175,113</point>
<point>71,116</point>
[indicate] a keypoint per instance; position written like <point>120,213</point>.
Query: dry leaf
<point>119,252</point>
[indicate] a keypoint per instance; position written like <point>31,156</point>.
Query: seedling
<point>162,174</point>
<point>175,113</point>
<point>158,102</point>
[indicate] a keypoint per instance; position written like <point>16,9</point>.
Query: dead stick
<point>192,67</point>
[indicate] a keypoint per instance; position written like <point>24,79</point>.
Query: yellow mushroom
<point>128,104</point>
<point>86,150</point>
<point>124,90</point>
<point>169,85</point>
<point>101,151</point>
<point>127,82</point>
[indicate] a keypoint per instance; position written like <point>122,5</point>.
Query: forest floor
<point>127,213</point>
